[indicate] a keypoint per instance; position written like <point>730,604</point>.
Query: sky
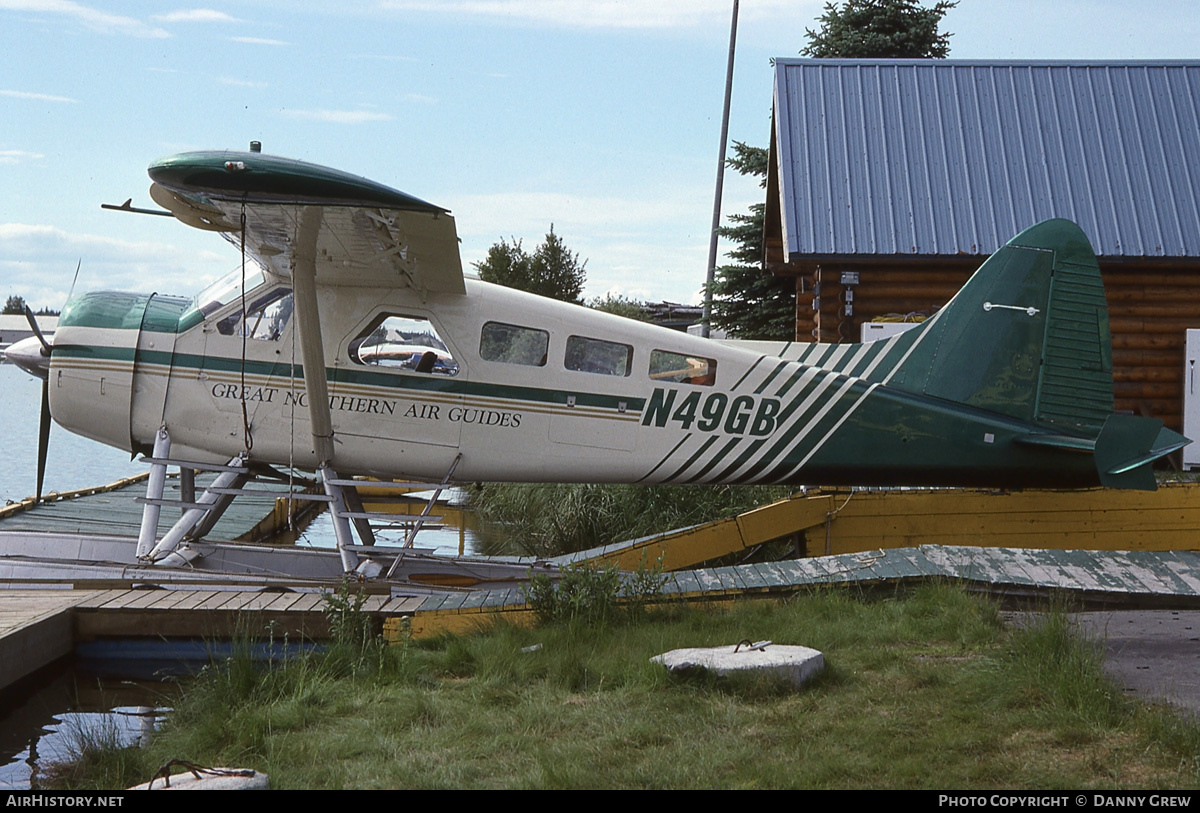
<point>601,117</point>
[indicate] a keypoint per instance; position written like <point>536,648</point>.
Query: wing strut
<point>312,351</point>
<point>316,385</point>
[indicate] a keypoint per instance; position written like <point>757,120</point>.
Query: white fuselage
<point>552,418</point>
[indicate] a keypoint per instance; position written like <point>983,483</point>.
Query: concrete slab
<point>210,779</point>
<point>797,664</point>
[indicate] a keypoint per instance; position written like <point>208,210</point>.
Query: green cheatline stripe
<point>825,425</point>
<point>767,381</point>
<point>703,448</point>
<point>753,448</point>
<point>665,458</point>
<point>345,376</point>
<point>752,368</point>
<point>791,382</point>
<point>719,456</point>
<point>744,458</point>
<point>785,415</point>
<point>828,392</point>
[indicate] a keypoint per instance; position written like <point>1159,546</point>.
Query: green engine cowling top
<point>122,311</point>
<point>100,347</point>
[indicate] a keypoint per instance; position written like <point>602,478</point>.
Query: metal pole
<point>716,218</point>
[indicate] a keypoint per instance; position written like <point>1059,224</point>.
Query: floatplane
<point>350,343</point>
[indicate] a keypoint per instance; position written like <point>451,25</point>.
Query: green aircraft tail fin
<point>1027,336</point>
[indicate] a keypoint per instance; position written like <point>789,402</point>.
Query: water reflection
<point>64,707</point>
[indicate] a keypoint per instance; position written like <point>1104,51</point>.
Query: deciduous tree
<point>552,270</point>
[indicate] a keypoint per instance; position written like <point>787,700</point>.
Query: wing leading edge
<point>368,235</point>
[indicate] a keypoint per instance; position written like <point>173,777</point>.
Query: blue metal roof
<point>944,157</point>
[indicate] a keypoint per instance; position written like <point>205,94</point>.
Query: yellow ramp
<point>1095,519</point>
<point>688,547</point>
<point>848,521</point>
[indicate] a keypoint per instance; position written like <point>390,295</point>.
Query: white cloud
<point>338,116</point>
<point>257,41</point>
<point>195,15</point>
<point>96,20</point>
<point>17,156</point>
<point>38,262</point>
<point>39,97</point>
<point>604,13</point>
<point>241,83</point>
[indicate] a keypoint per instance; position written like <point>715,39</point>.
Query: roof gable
<point>948,157</point>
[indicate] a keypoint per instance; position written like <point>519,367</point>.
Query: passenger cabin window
<point>404,343</point>
<point>513,344</point>
<point>677,368</point>
<point>598,356</point>
<point>267,315</point>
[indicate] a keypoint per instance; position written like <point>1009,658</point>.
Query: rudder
<point>1027,336</point>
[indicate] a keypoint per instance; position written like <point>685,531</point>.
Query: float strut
<point>209,502</point>
<point>154,492</point>
<point>341,525</point>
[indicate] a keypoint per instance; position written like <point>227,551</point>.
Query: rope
<point>164,773</point>
<point>247,437</point>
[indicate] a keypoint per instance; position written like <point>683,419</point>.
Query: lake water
<point>42,724</point>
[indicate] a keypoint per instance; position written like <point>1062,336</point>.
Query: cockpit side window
<point>677,368</point>
<point>403,342</point>
<point>267,315</point>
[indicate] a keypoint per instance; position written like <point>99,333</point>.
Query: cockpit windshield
<point>228,288</point>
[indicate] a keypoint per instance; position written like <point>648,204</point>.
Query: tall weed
<point>588,594</point>
<point>551,519</point>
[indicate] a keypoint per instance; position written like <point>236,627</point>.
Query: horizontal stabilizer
<point>1126,447</point>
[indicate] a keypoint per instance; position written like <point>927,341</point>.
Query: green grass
<point>931,690</point>
<point>550,519</point>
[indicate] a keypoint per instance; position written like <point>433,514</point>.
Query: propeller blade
<point>43,437</point>
<point>37,331</point>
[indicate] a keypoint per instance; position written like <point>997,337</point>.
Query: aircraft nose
<point>30,356</point>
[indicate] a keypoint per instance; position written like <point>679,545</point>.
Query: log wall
<point>1149,308</point>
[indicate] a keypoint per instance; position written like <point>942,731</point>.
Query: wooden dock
<point>115,509</point>
<point>38,627</point>
<point>1103,547</point>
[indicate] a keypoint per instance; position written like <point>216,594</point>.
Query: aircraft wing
<point>369,234</point>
